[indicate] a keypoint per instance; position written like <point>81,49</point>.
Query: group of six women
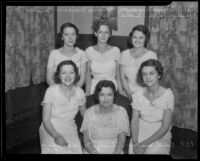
<point>106,73</point>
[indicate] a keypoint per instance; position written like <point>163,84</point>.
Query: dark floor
<point>30,147</point>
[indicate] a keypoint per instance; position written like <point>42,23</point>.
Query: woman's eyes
<point>67,73</point>
<point>70,34</point>
<point>102,32</point>
<point>134,37</point>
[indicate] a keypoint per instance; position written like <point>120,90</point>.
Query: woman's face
<point>138,39</point>
<point>150,76</point>
<point>67,75</point>
<point>106,97</point>
<point>103,34</point>
<point>69,36</point>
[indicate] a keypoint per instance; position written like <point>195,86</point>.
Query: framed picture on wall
<point>106,12</point>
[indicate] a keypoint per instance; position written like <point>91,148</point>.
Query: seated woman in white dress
<point>105,125</point>
<point>69,51</point>
<point>132,58</point>
<point>103,59</point>
<point>152,112</point>
<point>62,101</point>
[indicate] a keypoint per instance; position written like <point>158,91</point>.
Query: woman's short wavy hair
<point>60,65</point>
<point>100,22</point>
<point>153,63</point>
<point>65,25</point>
<point>100,85</point>
<point>144,30</point>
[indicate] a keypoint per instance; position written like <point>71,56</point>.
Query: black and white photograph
<point>111,79</point>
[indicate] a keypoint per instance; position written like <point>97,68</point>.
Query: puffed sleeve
<point>51,59</point>
<point>86,120</point>
<point>123,122</point>
<point>81,97</point>
<point>152,55</point>
<point>87,52</point>
<point>136,102</point>
<point>122,59</point>
<point>49,95</point>
<point>83,57</point>
<point>170,100</point>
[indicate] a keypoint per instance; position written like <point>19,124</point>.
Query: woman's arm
<point>88,78</point>
<point>50,76</point>
<point>135,126</point>
<point>82,75</point>
<point>125,82</point>
<point>88,143</point>
<point>82,110</point>
<point>166,122</point>
<point>118,79</point>
<point>121,138</point>
<point>46,115</point>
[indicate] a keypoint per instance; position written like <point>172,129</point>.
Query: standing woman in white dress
<point>132,58</point>
<point>69,51</point>
<point>103,59</point>
<point>152,112</point>
<point>58,131</point>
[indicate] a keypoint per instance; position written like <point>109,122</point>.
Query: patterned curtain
<point>29,39</point>
<point>174,37</point>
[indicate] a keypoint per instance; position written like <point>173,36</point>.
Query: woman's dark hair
<point>100,22</point>
<point>100,85</point>
<point>63,26</point>
<point>153,63</point>
<point>144,30</point>
<point>60,65</point>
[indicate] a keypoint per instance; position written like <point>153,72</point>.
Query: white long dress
<point>104,128</point>
<point>131,66</point>
<point>62,118</point>
<point>151,119</point>
<point>103,66</point>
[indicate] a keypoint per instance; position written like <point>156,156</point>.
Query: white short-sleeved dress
<point>55,57</point>
<point>131,66</point>
<point>103,66</point>
<point>104,128</point>
<point>150,120</point>
<point>62,118</point>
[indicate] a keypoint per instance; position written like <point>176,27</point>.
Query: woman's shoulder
<point>79,90</point>
<point>80,51</point>
<point>119,108</point>
<point>89,49</point>
<point>52,88</point>
<point>55,51</point>
<point>168,91</point>
<point>90,110</point>
<point>139,93</point>
<point>115,48</point>
<point>125,56</point>
<point>126,51</point>
<point>151,54</point>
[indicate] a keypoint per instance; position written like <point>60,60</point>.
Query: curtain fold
<point>174,37</point>
<point>29,39</point>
